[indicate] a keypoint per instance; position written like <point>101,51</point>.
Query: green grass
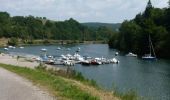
<point>71,74</point>
<point>130,95</point>
<point>55,84</point>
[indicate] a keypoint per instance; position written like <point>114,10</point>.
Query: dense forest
<point>31,28</point>
<point>112,26</point>
<point>133,35</point>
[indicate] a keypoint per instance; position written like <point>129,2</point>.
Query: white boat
<point>86,63</point>
<point>58,48</point>
<point>47,59</point>
<point>117,53</point>
<point>69,63</point>
<point>149,56</point>
<point>69,56</point>
<point>95,62</point>
<point>114,60</point>
<point>78,57</point>
<point>21,47</point>
<point>78,49</point>
<point>86,57</point>
<point>63,57</point>
<point>10,46</point>
<point>130,54</point>
<point>6,49</point>
<point>43,49</point>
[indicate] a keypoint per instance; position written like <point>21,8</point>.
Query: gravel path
<point>14,87</point>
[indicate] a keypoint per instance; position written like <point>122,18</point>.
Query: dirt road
<point>14,87</point>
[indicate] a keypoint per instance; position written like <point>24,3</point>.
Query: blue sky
<point>109,11</point>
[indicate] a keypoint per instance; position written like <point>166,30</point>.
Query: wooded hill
<point>133,35</point>
<point>31,27</point>
<point>112,26</point>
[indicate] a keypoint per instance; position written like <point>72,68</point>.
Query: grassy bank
<point>55,84</point>
<point>71,85</point>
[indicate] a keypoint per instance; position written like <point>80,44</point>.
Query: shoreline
<point>23,61</point>
<point>4,42</point>
<point>12,64</point>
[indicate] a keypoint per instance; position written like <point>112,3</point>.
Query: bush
<point>41,66</point>
<point>46,42</point>
<point>13,41</point>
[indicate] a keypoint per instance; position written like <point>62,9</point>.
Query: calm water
<point>148,79</point>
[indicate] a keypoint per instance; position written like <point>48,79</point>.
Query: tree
<point>13,41</point>
<point>134,34</point>
<point>30,27</point>
<point>148,10</point>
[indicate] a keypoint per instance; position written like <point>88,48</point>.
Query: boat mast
<point>150,54</point>
<point>151,47</point>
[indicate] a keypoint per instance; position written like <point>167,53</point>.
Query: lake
<point>149,79</point>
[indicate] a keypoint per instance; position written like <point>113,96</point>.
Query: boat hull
<point>149,58</point>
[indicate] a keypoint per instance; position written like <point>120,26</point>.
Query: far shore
<point>4,42</point>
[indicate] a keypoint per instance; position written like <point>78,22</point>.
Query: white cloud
<point>82,10</point>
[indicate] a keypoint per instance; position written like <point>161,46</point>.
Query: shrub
<point>41,66</point>
<point>46,42</point>
<point>13,41</point>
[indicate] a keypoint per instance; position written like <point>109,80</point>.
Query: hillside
<point>133,34</point>
<point>113,26</point>
<point>31,28</point>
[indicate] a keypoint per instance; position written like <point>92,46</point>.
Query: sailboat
<point>149,56</point>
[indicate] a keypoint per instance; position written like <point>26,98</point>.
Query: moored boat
<point>58,48</point>
<point>130,54</point>
<point>21,47</point>
<point>149,56</point>
<point>117,53</point>
<point>86,63</point>
<point>43,49</point>
<point>78,49</point>
<point>114,60</point>
<point>6,49</point>
<point>69,63</point>
<point>95,62</point>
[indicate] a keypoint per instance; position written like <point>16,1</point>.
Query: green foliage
<point>57,85</point>
<point>93,25</point>
<point>46,42</point>
<point>31,27</point>
<point>129,95</point>
<point>133,35</point>
<point>41,66</point>
<point>69,73</point>
<point>13,41</point>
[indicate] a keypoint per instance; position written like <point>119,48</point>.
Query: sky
<point>107,11</point>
